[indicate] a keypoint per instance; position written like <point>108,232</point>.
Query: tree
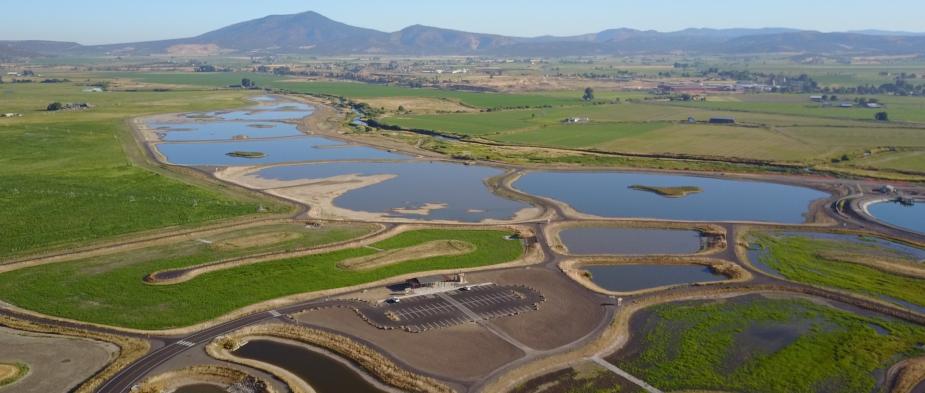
<point>589,94</point>
<point>54,106</point>
<point>247,83</point>
<point>401,108</point>
<point>882,116</point>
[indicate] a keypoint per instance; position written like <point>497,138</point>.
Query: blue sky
<point>107,21</point>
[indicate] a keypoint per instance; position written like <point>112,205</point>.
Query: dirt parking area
<point>56,363</point>
<point>567,314</point>
<point>461,353</point>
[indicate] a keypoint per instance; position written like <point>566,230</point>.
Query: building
<point>874,105</point>
<point>437,281</point>
<point>887,189</point>
<point>576,120</point>
<point>723,120</point>
<point>815,98</point>
<point>846,105</point>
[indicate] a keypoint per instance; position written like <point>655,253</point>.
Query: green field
<point>761,345</point>
<point>66,177</point>
<point>107,291</point>
<point>830,263</point>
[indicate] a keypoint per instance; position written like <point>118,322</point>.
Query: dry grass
<point>417,105</point>
<point>130,349</point>
<point>372,361</point>
<point>10,373</point>
<point>910,373</point>
<point>197,374</point>
<point>430,249</point>
<point>262,239</point>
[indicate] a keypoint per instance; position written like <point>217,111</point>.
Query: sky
<point>114,21</point>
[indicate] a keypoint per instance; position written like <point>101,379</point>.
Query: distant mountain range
<point>313,33</point>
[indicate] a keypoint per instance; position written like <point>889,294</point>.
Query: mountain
<point>314,34</point>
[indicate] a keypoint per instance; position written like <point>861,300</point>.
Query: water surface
<point>324,374</point>
<point>302,148</point>
<point>461,188</point>
<point>200,388</point>
<point>222,130</point>
<point>893,213</point>
<point>607,194</point>
<point>626,278</point>
<point>629,241</point>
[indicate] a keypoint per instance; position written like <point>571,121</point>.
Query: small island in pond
<point>247,154</point>
<point>668,192</point>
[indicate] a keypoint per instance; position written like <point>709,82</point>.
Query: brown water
<point>323,373</point>
<point>200,388</point>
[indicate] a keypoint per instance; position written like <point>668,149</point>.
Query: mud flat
<point>56,363</point>
<point>600,240</point>
<point>431,191</point>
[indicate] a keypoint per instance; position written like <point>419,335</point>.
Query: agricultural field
<point>110,290</point>
<point>847,265</point>
<point>657,128</point>
<point>68,177</point>
<point>764,345</point>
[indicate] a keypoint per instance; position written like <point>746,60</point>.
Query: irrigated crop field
<point>67,179</point>
<point>110,290</point>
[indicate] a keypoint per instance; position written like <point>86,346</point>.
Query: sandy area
<point>463,352</point>
<point>421,251</point>
<point>57,363</point>
<point>417,105</point>
<point>8,371</point>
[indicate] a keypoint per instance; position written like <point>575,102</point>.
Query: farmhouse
<point>815,98</point>
<point>437,281</point>
<point>722,120</point>
<point>576,120</point>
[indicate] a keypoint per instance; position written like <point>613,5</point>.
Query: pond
<point>295,149</point>
<point>200,388</point>
<point>628,278</point>
<point>893,213</point>
<point>629,241</point>
<point>607,194</point>
<point>222,130</point>
<point>323,373</point>
<point>420,190</point>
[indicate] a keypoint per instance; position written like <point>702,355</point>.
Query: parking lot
<point>417,314</point>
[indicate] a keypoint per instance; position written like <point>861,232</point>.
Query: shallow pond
<point>222,130</point>
<point>323,373</point>
<point>608,194</point>
<point>629,241</point>
<point>908,217</point>
<point>200,388</point>
<point>460,188</point>
<point>302,148</point>
<point>626,278</point>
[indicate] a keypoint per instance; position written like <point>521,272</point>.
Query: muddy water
<point>460,188</point>
<point>302,148</point>
<point>222,130</point>
<point>908,217</point>
<point>323,373</point>
<point>608,194</point>
<point>626,278</point>
<point>200,388</point>
<point>629,241</point>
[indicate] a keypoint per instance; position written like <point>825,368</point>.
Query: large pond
<point>908,217</point>
<point>270,109</point>
<point>437,190</point>
<point>607,194</point>
<point>222,130</point>
<point>627,278</point>
<point>323,373</point>
<point>200,388</point>
<point>303,148</point>
<point>629,241</point>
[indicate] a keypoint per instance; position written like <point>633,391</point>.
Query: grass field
<point>66,177</point>
<point>112,292</point>
<point>814,261</point>
<point>761,345</point>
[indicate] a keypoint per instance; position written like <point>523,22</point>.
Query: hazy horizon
<point>109,21</point>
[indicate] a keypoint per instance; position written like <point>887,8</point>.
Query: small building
<point>874,105</point>
<point>93,89</point>
<point>887,189</point>
<point>815,98</point>
<point>11,114</point>
<point>722,120</point>
<point>576,120</point>
<point>437,281</point>
<point>691,120</point>
<point>846,105</point>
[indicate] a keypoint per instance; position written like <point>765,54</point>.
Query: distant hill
<point>313,33</point>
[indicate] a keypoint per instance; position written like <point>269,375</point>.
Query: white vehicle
<point>394,300</point>
<point>466,288</point>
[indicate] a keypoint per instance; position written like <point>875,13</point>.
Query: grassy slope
<point>66,178</point>
<point>696,346</point>
<point>116,295</point>
<point>799,259</point>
